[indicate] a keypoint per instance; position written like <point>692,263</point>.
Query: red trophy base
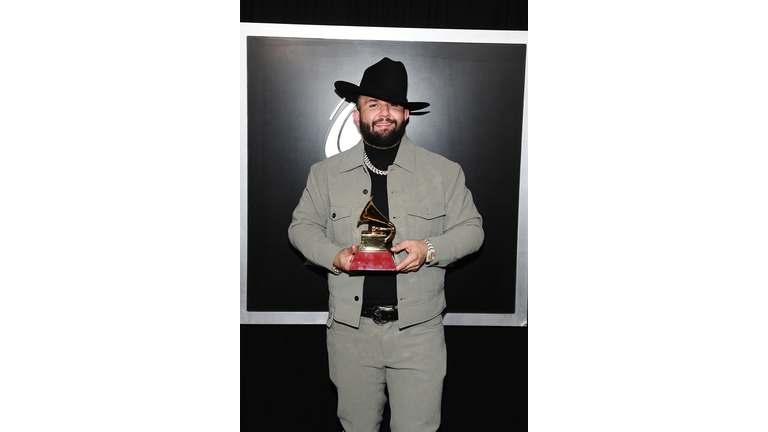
<point>372,261</point>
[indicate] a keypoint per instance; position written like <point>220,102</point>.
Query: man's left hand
<point>417,253</point>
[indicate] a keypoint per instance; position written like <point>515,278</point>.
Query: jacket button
<point>365,191</point>
<point>357,298</point>
<point>333,215</point>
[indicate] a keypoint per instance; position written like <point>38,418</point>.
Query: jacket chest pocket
<point>426,221</point>
<point>341,225</point>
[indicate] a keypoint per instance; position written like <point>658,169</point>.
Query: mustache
<point>383,119</point>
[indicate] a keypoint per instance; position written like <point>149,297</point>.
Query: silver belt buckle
<point>377,314</point>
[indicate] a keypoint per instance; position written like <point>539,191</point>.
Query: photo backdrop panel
<point>476,92</point>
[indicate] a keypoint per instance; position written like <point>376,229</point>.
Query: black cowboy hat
<point>386,80</point>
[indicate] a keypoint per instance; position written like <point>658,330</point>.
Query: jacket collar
<point>406,156</point>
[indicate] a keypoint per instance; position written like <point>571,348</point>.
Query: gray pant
<point>411,363</point>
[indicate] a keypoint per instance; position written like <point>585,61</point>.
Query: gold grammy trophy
<point>373,252</point>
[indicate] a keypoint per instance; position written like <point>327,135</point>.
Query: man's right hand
<point>344,258</point>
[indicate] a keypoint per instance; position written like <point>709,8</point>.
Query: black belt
<point>380,314</point>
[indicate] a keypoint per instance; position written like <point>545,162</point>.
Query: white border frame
<point>520,317</point>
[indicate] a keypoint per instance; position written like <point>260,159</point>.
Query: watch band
<point>430,251</point>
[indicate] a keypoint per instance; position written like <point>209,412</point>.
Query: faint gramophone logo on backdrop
<point>343,134</point>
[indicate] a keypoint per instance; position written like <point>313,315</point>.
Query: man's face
<point>381,123</point>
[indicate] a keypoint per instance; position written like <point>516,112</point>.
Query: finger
<point>351,256</point>
<point>401,266</point>
<point>404,265</point>
<point>410,268</point>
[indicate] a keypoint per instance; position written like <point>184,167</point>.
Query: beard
<point>384,139</point>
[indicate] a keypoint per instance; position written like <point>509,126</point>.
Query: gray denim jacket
<point>427,199</point>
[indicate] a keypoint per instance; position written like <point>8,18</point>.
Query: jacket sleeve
<point>309,224</point>
<point>463,233</point>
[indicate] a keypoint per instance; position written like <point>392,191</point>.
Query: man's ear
<point>406,113</point>
<point>356,118</point>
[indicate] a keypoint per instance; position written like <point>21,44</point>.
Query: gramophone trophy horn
<point>373,252</point>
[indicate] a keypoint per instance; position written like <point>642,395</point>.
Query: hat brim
<point>350,92</point>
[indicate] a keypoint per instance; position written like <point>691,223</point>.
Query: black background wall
<point>476,91</point>
<point>284,376</point>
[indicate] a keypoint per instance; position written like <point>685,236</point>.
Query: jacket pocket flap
<point>338,212</point>
<point>427,212</point>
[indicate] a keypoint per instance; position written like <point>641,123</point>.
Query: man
<point>385,329</point>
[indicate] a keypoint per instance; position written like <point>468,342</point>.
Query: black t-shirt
<point>380,287</point>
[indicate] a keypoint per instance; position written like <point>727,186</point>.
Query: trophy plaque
<point>373,252</point>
